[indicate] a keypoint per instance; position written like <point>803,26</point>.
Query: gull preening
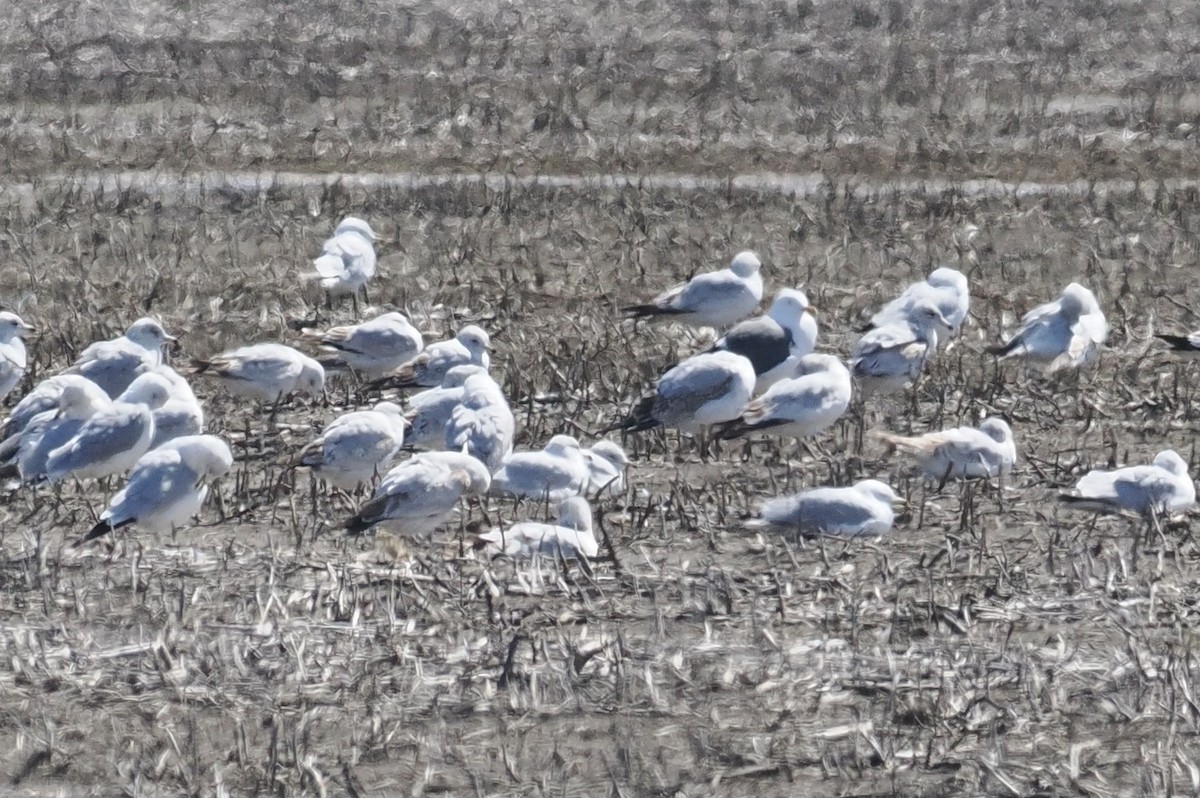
<point>265,372</point>
<point>888,358</point>
<point>1065,333</point>
<point>347,260</point>
<point>773,342</point>
<point>960,453</point>
<point>482,425</point>
<point>430,410</point>
<point>357,446</point>
<point>374,348</point>
<point>181,415</point>
<point>68,401</point>
<point>569,538</point>
<point>703,390</point>
<point>945,287</point>
<point>167,485</point>
<point>712,299</point>
<point>12,351</point>
<point>865,509</point>
<point>416,496</point>
<point>1163,488</point>
<point>806,404</point>
<point>555,473</point>
<point>114,364</point>
<point>468,348</point>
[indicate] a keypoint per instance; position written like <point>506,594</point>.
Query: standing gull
<point>347,260</point>
<point>167,485</point>
<point>712,299</point>
<point>77,400</point>
<point>1065,333</point>
<point>773,342</point>
<point>416,496</point>
<point>1162,488</point>
<point>945,287</point>
<point>265,372</point>
<point>482,425</point>
<point>356,446</point>
<point>866,509</point>
<point>430,410</point>
<point>703,390</point>
<point>961,453</point>
<point>114,364</point>
<point>808,403</point>
<point>373,348</point>
<point>12,351</point>
<point>469,347</point>
<point>570,538</point>
<point>557,472</point>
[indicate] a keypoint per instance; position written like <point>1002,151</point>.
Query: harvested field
<point>532,168</point>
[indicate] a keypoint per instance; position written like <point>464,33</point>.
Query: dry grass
<point>993,645</point>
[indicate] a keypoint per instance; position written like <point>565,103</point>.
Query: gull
<point>570,538</point>
<point>606,462</point>
<point>44,397</point>
<point>887,358</point>
<point>1186,345</point>
<point>773,342</point>
<point>12,351</point>
<point>1161,488</point>
<point>114,364</point>
<point>947,288</point>
<point>703,390</point>
<point>961,453</point>
<point>355,447</point>
<point>416,496</point>
<point>167,485</point>
<point>712,299</point>
<point>468,348</point>
<point>1065,333</point>
<point>865,509</point>
<point>265,372</point>
<point>482,425</point>
<point>182,414</point>
<point>77,399</point>
<point>804,405</point>
<point>555,473</point>
<point>373,348</point>
<point>430,410</point>
<point>115,437</point>
<point>347,260</point>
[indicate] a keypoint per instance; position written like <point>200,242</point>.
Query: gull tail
<point>370,515</point>
<point>640,418</point>
<point>1006,350</point>
<point>102,528</point>
<point>648,311</point>
<point>1180,343</point>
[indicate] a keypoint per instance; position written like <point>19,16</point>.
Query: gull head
<point>312,379</point>
<point>1169,460</point>
<point>562,444</point>
<point>612,452</point>
<point>1077,300</point>
<point>458,375</point>
<point>815,363</point>
<point>148,333</point>
<point>150,389</point>
<point>745,264</point>
<point>11,326</point>
<point>945,277</point>
<point>353,224</point>
<point>997,429</point>
<point>207,455</point>
<point>788,306</point>
<point>575,513</point>
<point>878,490</point>
<point>474,339</point>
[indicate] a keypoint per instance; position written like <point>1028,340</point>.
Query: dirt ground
<point>532,167</point>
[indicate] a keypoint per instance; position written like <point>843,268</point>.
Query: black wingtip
<point>101,529</point>
<point>1180,342</point>
<point>1003,349</point>
<point>357,525</point>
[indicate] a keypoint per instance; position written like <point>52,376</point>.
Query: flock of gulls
<point>121,412</point>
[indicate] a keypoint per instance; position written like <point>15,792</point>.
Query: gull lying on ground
<point>945,287</point>
<point>961,453</point>
<point>373,348</point>
<point>115,437</point>
<point>114,364</point>
<point>430,410</point>
<point>703,390</point>
<point>808,403</point>
<point>862,510</point>
<point>12,351</point>
<point>482,425</point>
<point>888,358</point>
<point>713,299</point>
<point>606,462</point>
<point>1065,333</point>
<point>265,372</point>
<point>355,447</point>
<point>416,496</point>
<point>571,538</point>
<point>773,342</point>
<point>468,348</point>
<point>166,486</point>
<point>1162,488</point>
<point>556,473</point>
<point>347,260</point>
